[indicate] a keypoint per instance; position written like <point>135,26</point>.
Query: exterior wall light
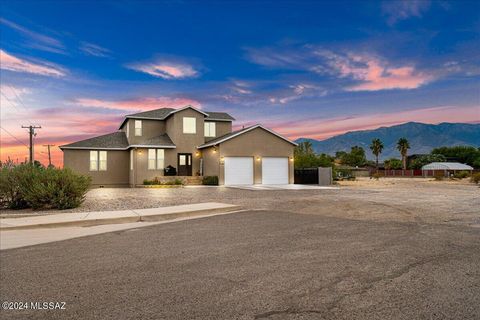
<point>258,158</point>
<point>140,151</point>
<point>291,159</point>
<point>214,149</point>
<point>222,160</point>
<point>197,153</point>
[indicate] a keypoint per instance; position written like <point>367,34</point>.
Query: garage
<point>238,170</point>
<point>275,170</point>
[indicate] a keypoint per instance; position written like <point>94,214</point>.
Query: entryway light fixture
<point>258,158</point>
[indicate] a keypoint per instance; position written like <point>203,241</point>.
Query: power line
<point>11,135</point>
<point>15,106</point>
<point>18,97</point>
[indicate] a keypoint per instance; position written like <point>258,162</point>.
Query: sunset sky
<point>303,69</point>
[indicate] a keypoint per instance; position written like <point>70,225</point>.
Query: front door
<point>184,164</point>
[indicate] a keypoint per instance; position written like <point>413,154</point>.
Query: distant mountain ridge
<point>422,137</point>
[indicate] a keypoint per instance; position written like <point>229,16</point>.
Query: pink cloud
<point>165,69</point>
<point>9,62</point>
<point>141,104</point>
<point>372,72</point>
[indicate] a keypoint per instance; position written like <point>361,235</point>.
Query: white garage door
<point>275,170</point>
<point>238,170</point>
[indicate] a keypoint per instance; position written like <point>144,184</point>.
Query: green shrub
<point>461,174</point>
<point>27,186</point>
<point>210,180</point>
<point>475,178</point>
<point>178,182</point>
<point>376,176</point>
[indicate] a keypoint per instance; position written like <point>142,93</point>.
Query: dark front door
<point>184,164</point>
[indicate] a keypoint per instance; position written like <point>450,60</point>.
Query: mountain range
<point>422,137</point>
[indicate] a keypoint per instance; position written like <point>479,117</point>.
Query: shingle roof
<point>115,140</point>
<point>161,140</point>
<point>446,166</point>
<point>234,134</point>
<point>163,113</point>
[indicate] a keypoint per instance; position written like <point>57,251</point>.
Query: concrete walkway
<point>86,219</point>
<point>12,239</point>
<point>284,187</point>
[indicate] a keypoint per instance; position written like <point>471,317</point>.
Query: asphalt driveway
<point>253,265</point>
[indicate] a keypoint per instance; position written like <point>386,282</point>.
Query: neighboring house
<point>195,142</point>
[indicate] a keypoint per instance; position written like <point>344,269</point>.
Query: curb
<point>114,220</point>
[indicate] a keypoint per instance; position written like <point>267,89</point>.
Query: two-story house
<point>195,142</point>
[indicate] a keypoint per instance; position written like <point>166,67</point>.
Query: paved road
<point>253,265</point>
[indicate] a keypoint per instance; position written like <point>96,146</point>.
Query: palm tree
<point>376,147</point>
<point>403,146</point>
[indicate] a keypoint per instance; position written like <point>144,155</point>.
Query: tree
<point>403,146</point>
<point>464,154</point>
<point>376,147</point>
<point>393,164</point>
<point>419,162</point>
<point>305,157</point>
<point>355,158</point>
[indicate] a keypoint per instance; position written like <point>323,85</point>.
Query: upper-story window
<point>98,160</point>
<point>138,128</point>
<point>189,125</point>
<point>209,129</point>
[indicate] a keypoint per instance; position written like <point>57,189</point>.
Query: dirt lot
<point>393,199</point>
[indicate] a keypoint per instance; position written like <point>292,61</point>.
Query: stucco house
<point>193,141</point>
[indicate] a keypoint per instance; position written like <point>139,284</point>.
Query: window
<point>183,160</point>
<point>131,159</point>
<point>98,160</point>
<point>102,164</point>
<point>151,159</point>
<point>209,129</point>
<point>189,125</point>
<point>128,129</point>
<point>138,128</point>
<point>156,159</point>
<point>160,159</point>
<point>93,160</point>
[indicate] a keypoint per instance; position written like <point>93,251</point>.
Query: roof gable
<point>237,133</point>
<point>164,113</point>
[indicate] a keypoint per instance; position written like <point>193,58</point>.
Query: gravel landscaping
<point>407,200</point>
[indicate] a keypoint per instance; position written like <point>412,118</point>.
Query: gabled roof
<point>164,113</point>
<point>446,166</point>
<point>114,141</point>
<point>234,134</point>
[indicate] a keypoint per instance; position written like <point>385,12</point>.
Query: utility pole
<point>31,131</point>
<point>49,157</point>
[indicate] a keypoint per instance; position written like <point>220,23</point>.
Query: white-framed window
<point>102,163</point>
<point>131,159</point>
<point>128,130</point>
<point>93,160</point>
<point>98,160</point>
<point>210,129</point>
<point>151,159</point>
<point>160,159</point>
<point>156,159</point>
<point>189,125</point>
<point>138,128</point>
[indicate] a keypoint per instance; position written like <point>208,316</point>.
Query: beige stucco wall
<point>117,173</point>
<point>186,143</point>
<point>211,163</point>
<point>255,143</point>
<point>150,129</point>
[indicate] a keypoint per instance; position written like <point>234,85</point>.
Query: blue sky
<point>310,69</point>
